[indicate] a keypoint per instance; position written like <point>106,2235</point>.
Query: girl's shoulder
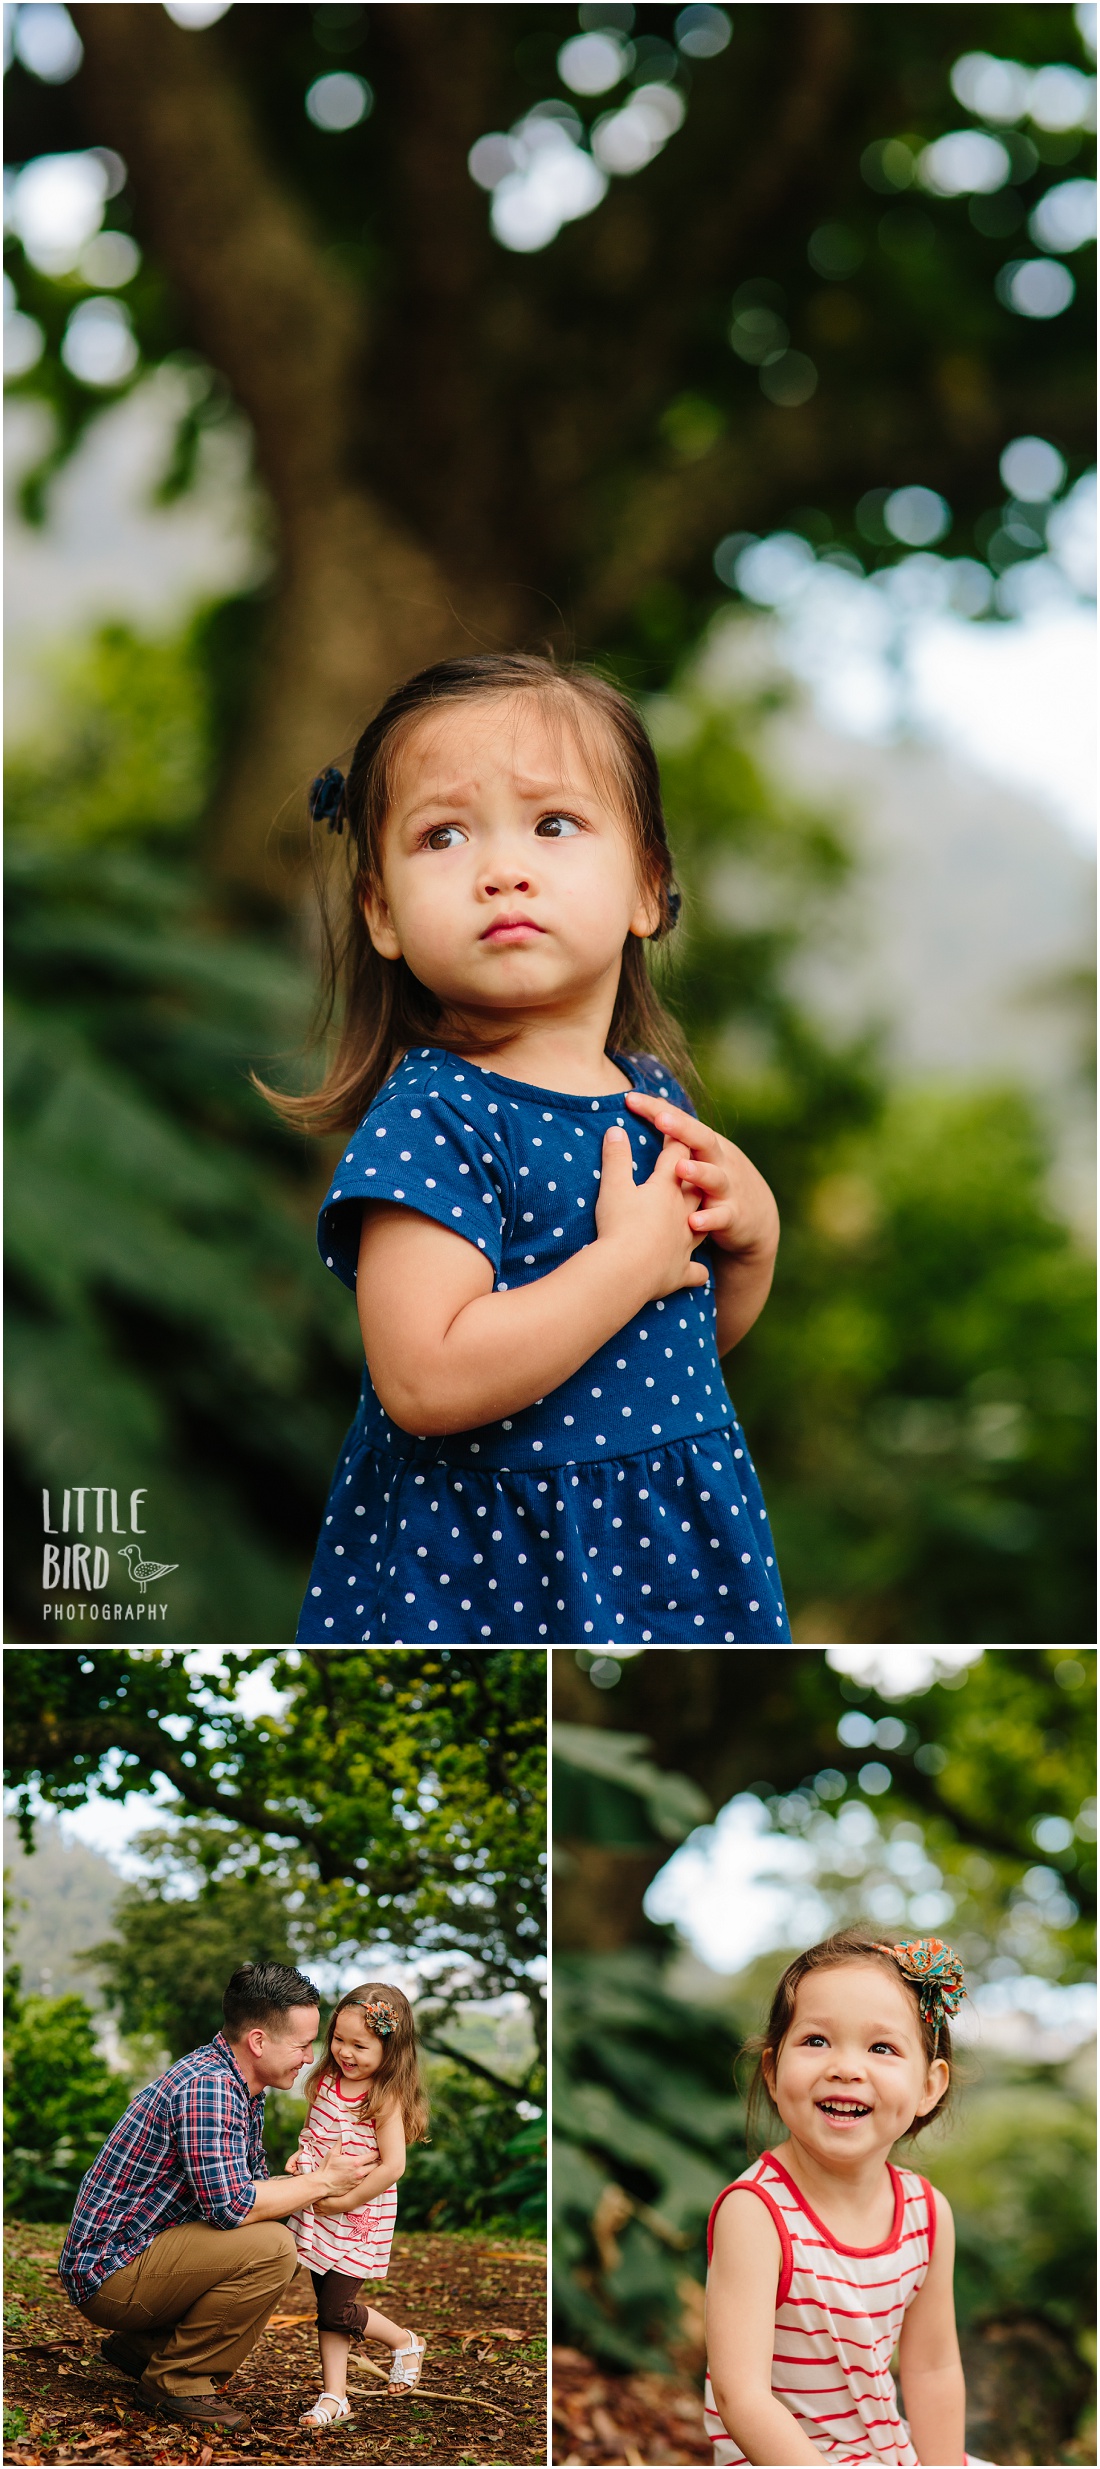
<point>655,1078</point>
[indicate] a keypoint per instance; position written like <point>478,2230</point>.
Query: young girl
<point>365,2094</point>
<point>840,2256</point>
<point>550,1252</point>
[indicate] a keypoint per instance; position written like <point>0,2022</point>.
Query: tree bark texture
<point>359,599</point>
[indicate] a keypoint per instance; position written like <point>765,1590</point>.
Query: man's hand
<point>337,2175</point>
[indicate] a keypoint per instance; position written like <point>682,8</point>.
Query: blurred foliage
<point>60,2100</point>
<point>164,1969</point>
<point>128,749</point>
<point>969,1800</point>
<point>404,1794</point>
<point>166,1324</point>
<point>1019,2171</point>
<point>483,2167</point>
<point>918,1390</point>
<point>647,2130</point>
<point>571,421</point>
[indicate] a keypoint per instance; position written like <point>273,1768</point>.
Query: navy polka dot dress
<point>622,1507</point>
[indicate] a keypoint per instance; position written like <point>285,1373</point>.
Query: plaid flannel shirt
<point>188,2148</point>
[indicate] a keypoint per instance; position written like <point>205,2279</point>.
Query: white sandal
<point>407,2362</point>
<point>320,2416</point>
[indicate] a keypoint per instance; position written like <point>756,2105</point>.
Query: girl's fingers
<point>711,1178</point>
<point>673,1121</point>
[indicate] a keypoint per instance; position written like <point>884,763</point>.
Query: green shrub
<point>60,2101</point>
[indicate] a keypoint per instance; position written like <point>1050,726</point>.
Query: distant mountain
<point>61,1901</point>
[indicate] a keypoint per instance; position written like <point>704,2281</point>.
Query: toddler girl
<point>365,2094</point>
<point>550,1252</point>
<point>840,2255</point>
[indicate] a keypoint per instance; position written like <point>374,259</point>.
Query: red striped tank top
<point>838,2313</point>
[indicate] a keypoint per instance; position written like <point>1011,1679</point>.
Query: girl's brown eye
<point>441,837</point>
<point>557,826</point>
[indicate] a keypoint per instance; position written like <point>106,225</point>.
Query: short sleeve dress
<point>623,1507</point>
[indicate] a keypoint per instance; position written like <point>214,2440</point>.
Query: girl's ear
<point>767,2069</point>
<point>939,2076</point>
<point>379,923</point>
<point>647,915</point>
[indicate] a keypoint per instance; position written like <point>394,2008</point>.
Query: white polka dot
<point>315,1590</point>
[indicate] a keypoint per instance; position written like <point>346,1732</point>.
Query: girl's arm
<point>391,2166</point>
<point>933,2390</point>
<point>741,2294</point>
<point>446,1353</point>
<point>732,1204</point>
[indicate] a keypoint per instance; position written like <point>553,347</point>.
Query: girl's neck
<point>857,2200</point>
<point>567,1052</point>
<point>357,2090</point>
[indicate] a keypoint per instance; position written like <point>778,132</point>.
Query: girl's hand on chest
<point>734,1206</point>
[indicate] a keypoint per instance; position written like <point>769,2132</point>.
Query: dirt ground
<point>637,2419</point>
<point>480,2303</point>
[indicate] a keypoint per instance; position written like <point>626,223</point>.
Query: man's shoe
<point>126,2354</point>
<point>203,2410</point>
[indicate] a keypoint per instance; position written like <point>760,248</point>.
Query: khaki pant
<point>196,2300</point>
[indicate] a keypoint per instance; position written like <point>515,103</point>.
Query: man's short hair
<point>261,1993</point>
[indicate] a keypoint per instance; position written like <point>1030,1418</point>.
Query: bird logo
<point>145,1572</point>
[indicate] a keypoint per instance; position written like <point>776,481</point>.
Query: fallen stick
<point>426,2392</point>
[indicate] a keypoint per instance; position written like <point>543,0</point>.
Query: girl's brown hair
<point>385,1009</point>
<point>398,2077</point>
<point>845,1946</point>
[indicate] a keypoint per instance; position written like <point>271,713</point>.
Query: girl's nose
<point>506,878</point>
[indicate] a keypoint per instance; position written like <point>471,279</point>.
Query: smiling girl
<point>549,1252</point>
<point>840,2257</point>
<point>364,2095</point>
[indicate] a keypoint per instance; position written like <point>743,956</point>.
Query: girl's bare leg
<point>379,2327</point>
<point>334,2347</point>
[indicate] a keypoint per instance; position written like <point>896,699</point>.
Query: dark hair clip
<point>326,798</point>
<point>675,904</point>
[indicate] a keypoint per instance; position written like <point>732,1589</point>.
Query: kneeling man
<point>176,2243</point>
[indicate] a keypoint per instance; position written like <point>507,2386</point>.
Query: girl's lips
<point>509,929</point>
<point>843,2117</point>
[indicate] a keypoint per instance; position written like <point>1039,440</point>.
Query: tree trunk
<point>359,601</point>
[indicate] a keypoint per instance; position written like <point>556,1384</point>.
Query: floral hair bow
<point>935,1971</point>
<point>380,2017</point>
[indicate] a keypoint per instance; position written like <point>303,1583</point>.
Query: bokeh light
<point>788,378</point>
<point>623,142</point>
<point>888,165</point>
<point>24,340</point>
<point>46,42</point>
<point>994,89</point>
<point>834,251</point>
<point>702,32</point>
<point>196,15</point>
<point>1032,469</point>
<point>1065,217</point>
<point>99,346</point>
<point>1035,286</point>
<point>963,163</point>
<point>593,63</point>
<point>339,101</point>
<point>110,260</point>
<point>55,205</point>
<point>540,176</point>
<point>1062,98</point>
<point>916,516</point>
